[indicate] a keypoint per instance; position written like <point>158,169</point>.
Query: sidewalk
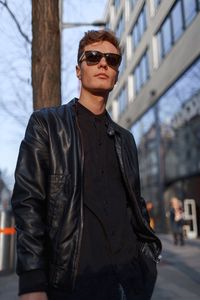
<point>8,287</point>
<point>178,273</point>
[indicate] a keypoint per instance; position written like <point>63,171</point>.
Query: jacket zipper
<point>77,258</point>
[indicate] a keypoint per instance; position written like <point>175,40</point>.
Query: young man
<point>82,226</point>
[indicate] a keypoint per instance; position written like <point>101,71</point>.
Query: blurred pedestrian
<point>82,225</point>
<point>177,221</point>
<point>150,209</point>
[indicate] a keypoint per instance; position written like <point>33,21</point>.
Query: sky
<point>15,70</point>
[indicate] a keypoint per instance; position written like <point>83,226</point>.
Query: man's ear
<point>78,72</point>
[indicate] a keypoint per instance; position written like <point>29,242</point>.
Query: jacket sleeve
<point>140,199</point>
<point>29,197</point>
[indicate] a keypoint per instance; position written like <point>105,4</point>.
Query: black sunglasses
<point>93,57</point>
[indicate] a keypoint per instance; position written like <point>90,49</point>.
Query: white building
<point>160,72</point>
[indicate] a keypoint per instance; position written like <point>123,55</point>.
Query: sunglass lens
<point>93,57</point>
<point>113,59</point>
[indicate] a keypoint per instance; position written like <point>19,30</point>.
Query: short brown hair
<point>93,36</point>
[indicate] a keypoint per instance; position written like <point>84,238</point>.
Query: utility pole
<point>46,60</point>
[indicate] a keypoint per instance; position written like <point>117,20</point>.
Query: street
<point>178,273</point>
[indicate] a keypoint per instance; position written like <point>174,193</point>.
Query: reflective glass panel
<point>141,25</point>
<point>135,36</point>
<point>123,63</point>
<point>160,47</point>
<point>142,22</point>
<point>143,70</point>
<point>123,100</point>
<point>189,10</point>
<point>167,36</point>
<point>177,20</point>
<point>120,28</point>
<point>137,79</point>
<point>168,136</point>
<point>147,65</point>
<point>117,3</point>
<point>180,125</point>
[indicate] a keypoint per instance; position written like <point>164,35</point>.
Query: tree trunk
<point>45,54</point>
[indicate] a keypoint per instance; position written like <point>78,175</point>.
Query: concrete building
<point>154,97</point>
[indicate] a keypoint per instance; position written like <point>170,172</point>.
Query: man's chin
<point>101,91</point>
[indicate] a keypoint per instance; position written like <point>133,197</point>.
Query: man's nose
<point>103,62</point>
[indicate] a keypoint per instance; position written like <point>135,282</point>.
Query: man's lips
<point>102,75</point>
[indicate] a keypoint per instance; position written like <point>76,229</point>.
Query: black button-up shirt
<point>108,239</point>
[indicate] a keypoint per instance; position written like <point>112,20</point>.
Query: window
<point>189,11</point>
<point>141,73</point>
<point>117,3</point>
<point>120,27</point>
<point>137,79</point>
<point>159,42</point>
<point>142,22</point>
<point>135,36</point>
<point>122,66</point>
<point>166,36</point>
<point>177,21</point>
<point>146,65</point>
<point>123,100</point>
<point>144,69</point>
<point>139,27</point>
<point>181,15</point>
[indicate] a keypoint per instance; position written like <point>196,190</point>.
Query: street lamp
<point>95,23</point>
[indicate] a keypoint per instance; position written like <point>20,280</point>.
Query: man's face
<point>99,78</point>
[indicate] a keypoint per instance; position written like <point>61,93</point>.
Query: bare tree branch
<point>24,35</point>
<point>11,113</point>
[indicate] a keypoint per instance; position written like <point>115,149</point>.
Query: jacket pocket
<point>59,190</point>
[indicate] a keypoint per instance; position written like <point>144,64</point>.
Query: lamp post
<point>71,25</point>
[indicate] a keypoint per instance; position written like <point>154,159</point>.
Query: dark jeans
<point>178,238</point>
<point>59,295</point>
<point>134,282</point>
<point>103,289</point>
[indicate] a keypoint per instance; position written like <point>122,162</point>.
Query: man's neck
<point>96,104</point>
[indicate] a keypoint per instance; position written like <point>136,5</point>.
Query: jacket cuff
<point>32,281</point>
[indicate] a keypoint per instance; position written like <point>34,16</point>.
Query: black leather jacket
<point>47,198</point>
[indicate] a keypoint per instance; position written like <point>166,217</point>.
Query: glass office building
<point>157,96</point>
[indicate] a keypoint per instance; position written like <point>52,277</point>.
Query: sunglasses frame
<point>100,56</point>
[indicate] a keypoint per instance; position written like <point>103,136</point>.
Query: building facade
<point>157,96</point>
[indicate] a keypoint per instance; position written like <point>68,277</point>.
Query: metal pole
<point>71,25</point>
